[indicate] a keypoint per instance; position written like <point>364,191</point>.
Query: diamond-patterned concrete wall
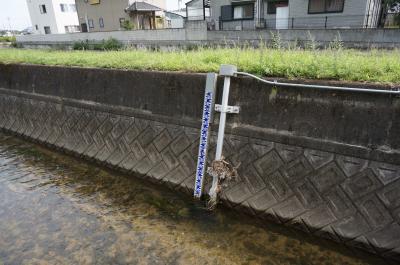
<point>343,198</point>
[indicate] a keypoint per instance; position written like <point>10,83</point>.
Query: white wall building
<point>53,16</point>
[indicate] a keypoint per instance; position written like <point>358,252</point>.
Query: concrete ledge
<point>308,158</point>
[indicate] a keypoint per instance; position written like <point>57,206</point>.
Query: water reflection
<point>58,210</point>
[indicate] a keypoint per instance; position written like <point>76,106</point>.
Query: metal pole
<point>222,119</point>
<point>9,25</point>
<point>227,71</point>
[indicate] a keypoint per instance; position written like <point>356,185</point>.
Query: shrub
<point>127,25</point>
<point>8,39</point>
<point>82,45</point>
<point>337,43</point>
<point>14,44</point>
<point>276,40</point>
<point>106,45</point>
<point>112,45</point>
<point>397,20</point>
<point>311,43</point>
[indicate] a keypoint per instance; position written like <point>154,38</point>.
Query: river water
<point>55,209</point>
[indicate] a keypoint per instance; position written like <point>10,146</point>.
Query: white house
<point>295,14</point>
<point>175,19</point>
<point>53,16</point>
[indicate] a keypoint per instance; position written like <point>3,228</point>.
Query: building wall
<point>68,18</point>
<point>353,15</point>
<point>195,10</point>
<point>231,25</point>
<point>216,8</point>
<point>110,10</point>
<point>42,20</point>
<point>54,18</point>
<point>174,21</point>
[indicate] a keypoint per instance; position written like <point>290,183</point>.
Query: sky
<point>14,13</point>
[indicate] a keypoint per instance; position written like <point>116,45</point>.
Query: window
<point>121,22</point>
<point>226,13</point>
<point>325,6</point>
<point>91,24</point>
<point>72,8</point>
<point>42,9</point>
<point>272,5</point>
<point>243,12</point>
<point>71,29</point>
<point>101,22</point>
<point>64,7</point>
<point>47,30</point>
<point>84,27</point>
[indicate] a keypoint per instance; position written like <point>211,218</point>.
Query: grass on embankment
<point>349,65</point>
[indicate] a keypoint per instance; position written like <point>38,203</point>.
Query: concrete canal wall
<point>324,162</point>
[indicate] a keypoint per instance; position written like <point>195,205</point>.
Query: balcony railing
<point>309,22</point>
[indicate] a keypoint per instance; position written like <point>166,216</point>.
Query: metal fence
<point>309,22</point>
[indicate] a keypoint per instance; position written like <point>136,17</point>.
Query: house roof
<point>169,13</point>
<point>142,6</point>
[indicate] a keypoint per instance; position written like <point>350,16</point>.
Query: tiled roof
<point>142,6</point>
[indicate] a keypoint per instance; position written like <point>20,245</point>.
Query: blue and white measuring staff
<point>208,109</point>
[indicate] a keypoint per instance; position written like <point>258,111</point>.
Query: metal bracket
<point>228,70</point>
<point>229,109</point>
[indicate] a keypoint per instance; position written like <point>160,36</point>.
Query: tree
<point>127,25</point>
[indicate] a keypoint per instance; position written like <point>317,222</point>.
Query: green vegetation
<point>127,25</point>
<point>335,63</point>
<point>106,45</point>
<point>7,39</point>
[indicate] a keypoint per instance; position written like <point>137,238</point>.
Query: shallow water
<point>55,209</point>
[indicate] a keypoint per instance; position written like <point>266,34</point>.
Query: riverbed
<point>56,209</point>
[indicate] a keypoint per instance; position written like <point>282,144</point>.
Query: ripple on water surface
<point>57,210</point>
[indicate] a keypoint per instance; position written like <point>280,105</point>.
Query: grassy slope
<point>349,65</point>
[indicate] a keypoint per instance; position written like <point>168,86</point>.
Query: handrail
<point>354,89</point>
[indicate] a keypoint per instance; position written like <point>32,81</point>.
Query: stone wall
<point>325,162</point>
<point>352,38</point>
<point>194,32</point>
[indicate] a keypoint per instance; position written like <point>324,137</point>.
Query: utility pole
<point>204,10</point>
<point>9,25</point>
